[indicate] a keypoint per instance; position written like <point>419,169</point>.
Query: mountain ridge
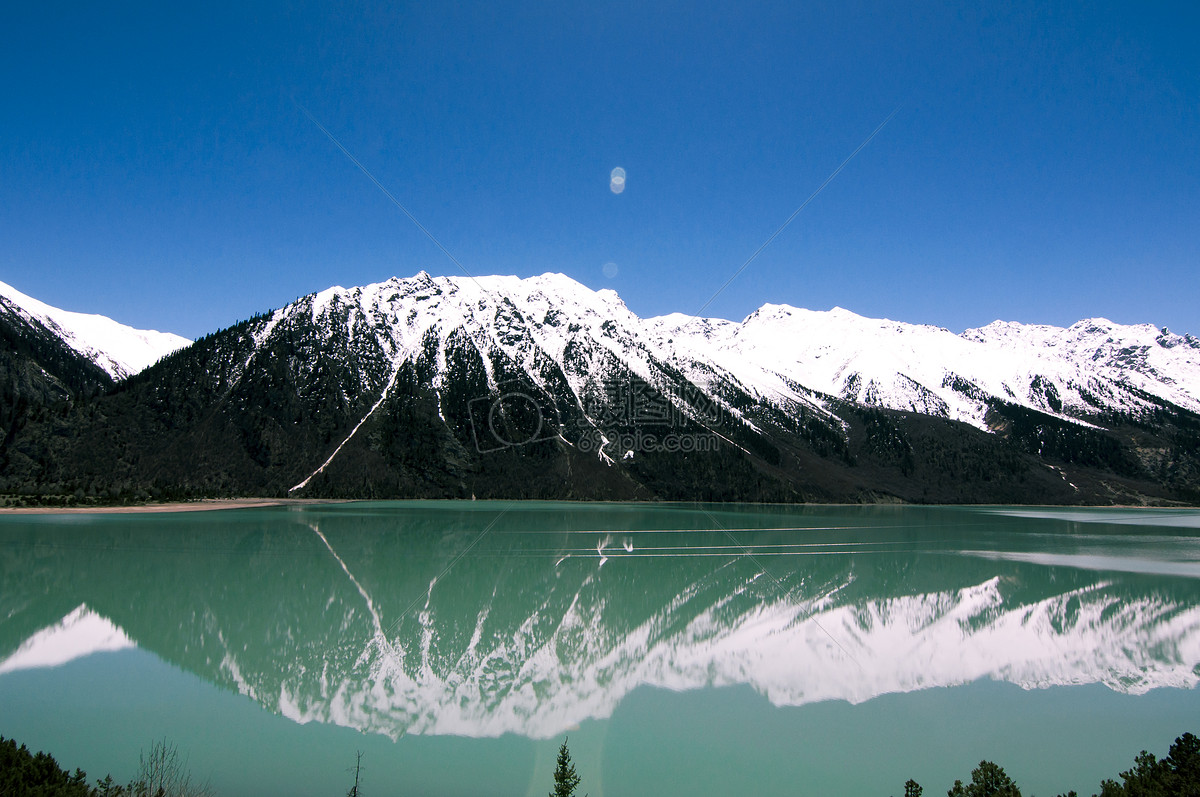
<point>540,387</point>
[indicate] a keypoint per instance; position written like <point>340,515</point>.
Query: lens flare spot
<point>616,180</point>
<point>610,269</point>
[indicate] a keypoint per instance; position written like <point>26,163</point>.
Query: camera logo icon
<point>513,417</point>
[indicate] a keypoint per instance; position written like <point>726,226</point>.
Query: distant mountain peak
<point>118,349</point>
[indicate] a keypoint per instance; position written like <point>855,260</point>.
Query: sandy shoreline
<point>202,505</point>
<point>215,504</point>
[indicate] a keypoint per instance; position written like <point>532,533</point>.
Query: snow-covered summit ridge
<point>780,356</point>
<point>1091,367</point>
<point>119,349</point>
<point>787,356</point>
<point>496,313</point>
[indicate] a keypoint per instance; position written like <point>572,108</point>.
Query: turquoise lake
<point>683,649</point>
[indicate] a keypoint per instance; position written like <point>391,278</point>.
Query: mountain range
<point>459,387</point>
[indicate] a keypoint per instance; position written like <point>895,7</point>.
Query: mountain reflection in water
<point>482,619</point>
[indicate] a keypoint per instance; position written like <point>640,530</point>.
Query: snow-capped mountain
<point>569,357</point>
<point>552,329</point>
<point>118,349</point>
<point>571,343</point>
<point>500,386</point>
<point>781,355</point>
<point>1092,368</point>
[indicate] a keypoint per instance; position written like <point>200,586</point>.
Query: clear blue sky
<point>1043,166</point>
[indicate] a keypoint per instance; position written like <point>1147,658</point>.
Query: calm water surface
<point>683,649</point>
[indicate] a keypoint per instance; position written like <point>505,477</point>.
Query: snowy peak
<point>1091,368</point>
<point>1139,357</point>
<point>120,350</point>
<point>495,313</point>
<point>478,339</point>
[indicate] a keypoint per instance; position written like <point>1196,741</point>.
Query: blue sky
<point>1042,165</point>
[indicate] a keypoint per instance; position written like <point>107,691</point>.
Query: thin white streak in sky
<point>796,213</point>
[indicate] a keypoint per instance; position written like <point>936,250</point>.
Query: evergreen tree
<point>987,780</point>
<point>1183,765</point>
<point>565,778</point>
<point>24,772</point>
<point>1177,774</point>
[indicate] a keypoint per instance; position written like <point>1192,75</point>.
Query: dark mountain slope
<point>39,375</point>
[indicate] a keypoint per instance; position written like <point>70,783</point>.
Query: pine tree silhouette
<point>565,778</point>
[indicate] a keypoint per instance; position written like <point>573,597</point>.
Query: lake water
<point>683,649</point>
